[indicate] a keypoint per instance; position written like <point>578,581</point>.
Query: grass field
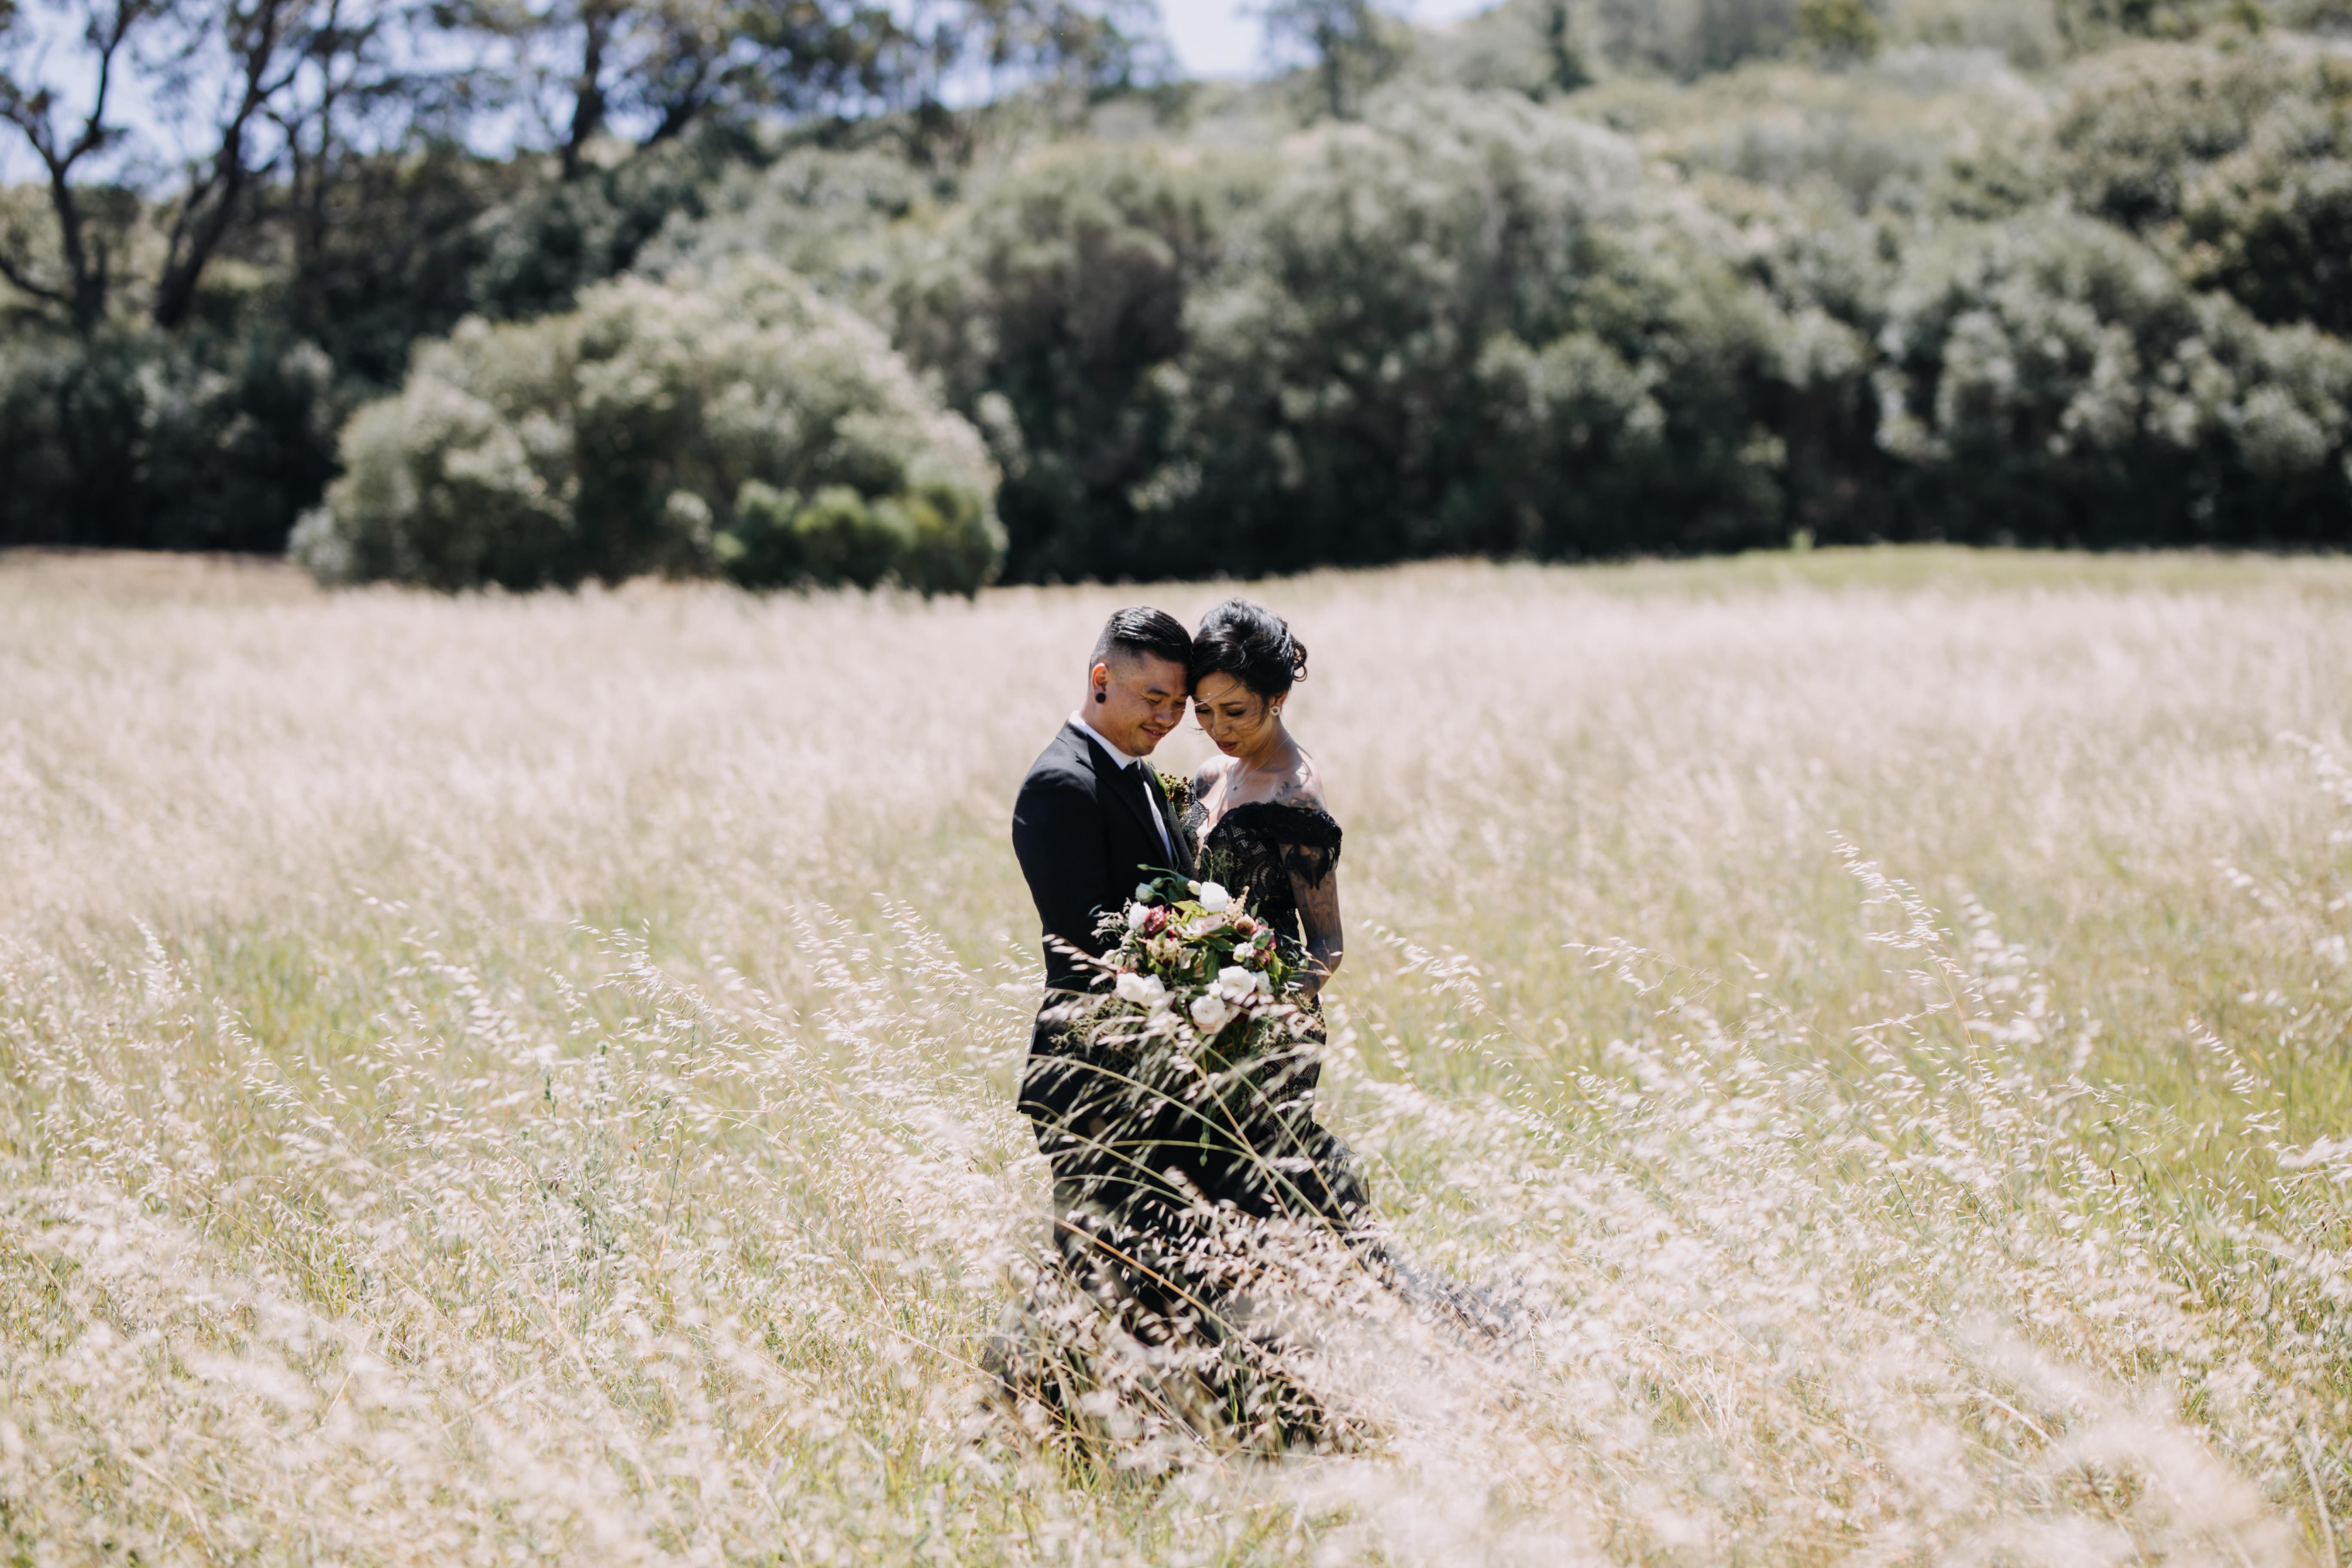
<point>503,1081</point>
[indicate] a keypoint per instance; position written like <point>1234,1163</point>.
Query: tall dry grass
<point>529,1079</point>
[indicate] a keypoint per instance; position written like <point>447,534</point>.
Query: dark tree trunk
<point>588,101</point>
<point>83,292</point>
<point>210,208</point>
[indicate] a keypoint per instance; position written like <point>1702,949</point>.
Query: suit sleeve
<point>1058,835</point>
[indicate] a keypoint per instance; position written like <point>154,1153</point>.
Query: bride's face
<point>1238,720</point>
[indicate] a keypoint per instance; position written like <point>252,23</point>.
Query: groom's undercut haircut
<point>1139,630</point>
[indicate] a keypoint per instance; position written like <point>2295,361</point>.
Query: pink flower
<point>1245,926</point>
<point>1155,920</point>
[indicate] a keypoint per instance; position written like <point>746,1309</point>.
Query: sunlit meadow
<point>529,1079</point>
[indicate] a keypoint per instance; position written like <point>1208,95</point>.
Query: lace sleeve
<point>1311,864</point>
<point>1309,843</point>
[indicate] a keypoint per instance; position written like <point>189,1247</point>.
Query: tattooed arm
<point>1319,914</point>
<point>1314,867</point>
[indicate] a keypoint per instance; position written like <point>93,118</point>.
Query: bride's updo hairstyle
<point>1253,645</point>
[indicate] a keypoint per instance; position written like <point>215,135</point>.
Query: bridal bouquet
<point>1193,967</point>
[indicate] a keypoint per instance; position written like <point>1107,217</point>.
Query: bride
<point>1195,1190</point>
<point>1265,834</point>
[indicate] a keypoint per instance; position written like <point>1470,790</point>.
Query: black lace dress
<point>1255,850</point>
<point>1260,853</point>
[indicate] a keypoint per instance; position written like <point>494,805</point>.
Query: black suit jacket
<point>1082,830</point>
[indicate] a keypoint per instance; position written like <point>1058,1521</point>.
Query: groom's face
<point>1141,699</point>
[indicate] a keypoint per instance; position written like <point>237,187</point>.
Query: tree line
<point>987,288</point>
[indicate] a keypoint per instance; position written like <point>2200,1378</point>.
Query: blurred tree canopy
<point>1571,278</point>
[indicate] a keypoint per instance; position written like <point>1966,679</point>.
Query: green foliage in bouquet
<point>1196,1019</point>
<point>1179,791</point>
<point>1199,984</point>
<point>1196,940</point>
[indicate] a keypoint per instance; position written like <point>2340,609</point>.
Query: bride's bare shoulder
<point>1302,785</point>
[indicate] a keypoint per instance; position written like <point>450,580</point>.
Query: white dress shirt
<point>1151,797</point>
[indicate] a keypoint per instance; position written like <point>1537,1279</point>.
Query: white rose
<point>1136,914</point>
<point>1143,990</point>
<point>1210,1011</point>
<point>1205,925</point>
<point>1236,983</point>
<point>1213,897</point>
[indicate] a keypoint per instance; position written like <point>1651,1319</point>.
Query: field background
<point>503,1080</point>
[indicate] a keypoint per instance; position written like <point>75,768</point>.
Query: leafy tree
<point>1092,45</point>
<point>91,222</point>
<point>535,252</point>
<point>1682,307</point>
<point>2054,379</point>
<point>200,439</point>
<point>270,69</point>
<point>389,245</point>
<point>656,67</point>
<point>2237,162</point>
<point>1054,296</point>
<point>1348,42</point>
<point>1565,55</point>
<point>1368,375</point>
<point>1691,37</point>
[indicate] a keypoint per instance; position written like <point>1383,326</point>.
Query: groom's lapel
<point>1175,829</point>
<point>1119,784</point>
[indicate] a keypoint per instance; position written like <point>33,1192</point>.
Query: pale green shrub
<point>612,440</point>
<point>2025,32</point>
<point>824,211</point>
<point>937,538</point>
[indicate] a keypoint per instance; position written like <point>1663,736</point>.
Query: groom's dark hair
<point>1141,629</point>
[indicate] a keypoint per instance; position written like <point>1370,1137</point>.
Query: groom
<point>1092,821</point>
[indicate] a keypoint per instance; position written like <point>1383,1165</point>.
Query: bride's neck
<point>1278,752</point>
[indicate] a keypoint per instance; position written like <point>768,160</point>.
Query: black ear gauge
<point>1102,696</point>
